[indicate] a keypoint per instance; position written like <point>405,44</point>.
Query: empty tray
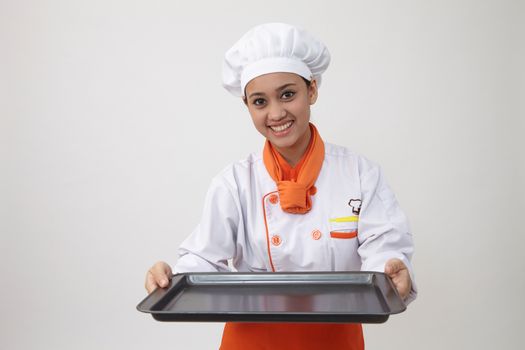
<point>363,297</point>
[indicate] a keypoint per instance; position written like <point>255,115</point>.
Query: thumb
<point>393,266</point>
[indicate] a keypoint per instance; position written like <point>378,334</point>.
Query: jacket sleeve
<point>212,243</point>
<point>383,227</point>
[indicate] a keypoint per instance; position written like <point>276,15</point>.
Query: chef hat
<point>271,48</point>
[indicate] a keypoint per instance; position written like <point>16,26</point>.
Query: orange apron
<point>295,185</point>
<point>291,336</point>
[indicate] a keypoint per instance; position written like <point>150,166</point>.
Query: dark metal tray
<point>363,297</point>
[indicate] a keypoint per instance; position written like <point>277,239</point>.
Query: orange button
<point>274,199</point>
<point>316,234</point>
<point>276,240</point>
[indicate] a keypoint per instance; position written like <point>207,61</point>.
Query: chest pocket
<point>344,243</point>
<point>344,227</point>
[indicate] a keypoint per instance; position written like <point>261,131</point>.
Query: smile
<point>281,128</point>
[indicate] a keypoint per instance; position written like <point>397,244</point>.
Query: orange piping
<point>267,235</point>
<point>338,234</point>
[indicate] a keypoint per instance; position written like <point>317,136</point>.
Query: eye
<point>258,102</point>
<point>288,94</point>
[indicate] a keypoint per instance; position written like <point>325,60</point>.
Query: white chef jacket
<point>242,221</point>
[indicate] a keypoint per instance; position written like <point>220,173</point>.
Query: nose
<point>276,112</point>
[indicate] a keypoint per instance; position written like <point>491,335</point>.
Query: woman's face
<point>279,104</point>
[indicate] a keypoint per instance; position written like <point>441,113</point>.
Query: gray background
<point>113,121</point>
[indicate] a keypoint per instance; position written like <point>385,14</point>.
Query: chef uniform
<point>333,211</point>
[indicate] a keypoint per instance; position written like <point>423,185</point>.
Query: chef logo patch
<point>355,204</point>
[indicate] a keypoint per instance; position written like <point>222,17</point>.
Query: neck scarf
<point>295,194</point>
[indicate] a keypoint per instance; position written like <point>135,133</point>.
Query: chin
<point>282,143</point>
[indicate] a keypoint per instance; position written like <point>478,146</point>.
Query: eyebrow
<point>279,88</point>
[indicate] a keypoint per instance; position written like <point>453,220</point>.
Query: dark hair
<point>308,82</point>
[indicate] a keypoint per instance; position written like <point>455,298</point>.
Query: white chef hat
<point>271,48</point>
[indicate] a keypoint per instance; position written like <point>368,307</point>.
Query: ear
<point>312,92</point>
<point>245,100</point>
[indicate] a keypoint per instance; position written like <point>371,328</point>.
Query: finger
<point>393,266</point>
<point>403,283</point>
<point>161,273</point>
<point>161,267</point>
<point>151,284</point>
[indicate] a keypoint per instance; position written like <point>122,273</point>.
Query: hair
<point>307,82</point>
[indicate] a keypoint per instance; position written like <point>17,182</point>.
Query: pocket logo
<point>355,204</point>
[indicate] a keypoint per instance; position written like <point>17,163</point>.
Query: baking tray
<point>341,297</point>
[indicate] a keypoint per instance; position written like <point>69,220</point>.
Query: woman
<point>301,204</point>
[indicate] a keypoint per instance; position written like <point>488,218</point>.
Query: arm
<point>213,241</point>
<point>385,241</point>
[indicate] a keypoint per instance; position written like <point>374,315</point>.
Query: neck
<point>294,153</point>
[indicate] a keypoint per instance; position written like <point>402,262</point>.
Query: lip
<point>280,123</point>
<point>284,132</point>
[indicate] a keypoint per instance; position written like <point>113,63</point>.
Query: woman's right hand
<point>158,275</point>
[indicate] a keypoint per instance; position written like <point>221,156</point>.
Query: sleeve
<point>383,227</point>
<point>212,243</point>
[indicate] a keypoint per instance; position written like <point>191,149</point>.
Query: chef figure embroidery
<point>356,205</point>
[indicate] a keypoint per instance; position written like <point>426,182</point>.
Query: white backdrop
<point>113,122</point>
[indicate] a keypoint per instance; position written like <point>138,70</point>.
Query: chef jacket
<point>355,222</point>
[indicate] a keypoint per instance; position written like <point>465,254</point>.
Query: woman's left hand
<point>398,272</point>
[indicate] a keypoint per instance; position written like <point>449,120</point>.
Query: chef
<point>300,204</point>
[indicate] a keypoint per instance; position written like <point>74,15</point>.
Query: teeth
<point>281,127</point>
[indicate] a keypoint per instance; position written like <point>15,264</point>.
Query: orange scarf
<point>295,194</point>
